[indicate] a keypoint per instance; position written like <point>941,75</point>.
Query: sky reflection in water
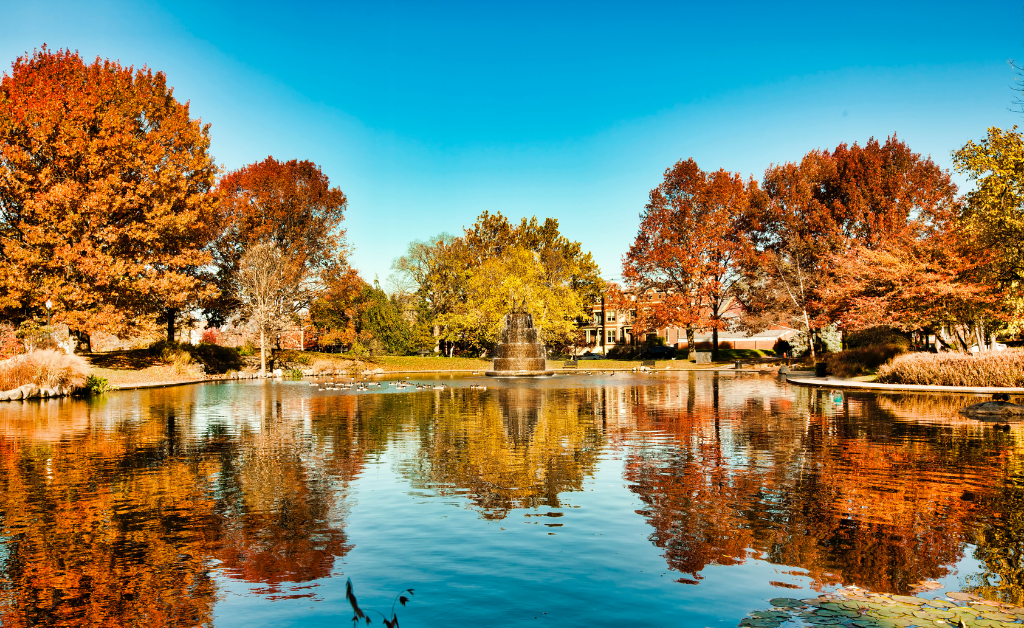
<point>579,500</point>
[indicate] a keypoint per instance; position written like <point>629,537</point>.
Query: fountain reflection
<point>514,448</point>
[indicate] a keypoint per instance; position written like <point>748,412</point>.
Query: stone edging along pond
<point>31,391</point>
<point>875,386</point>
<point>855,608</point>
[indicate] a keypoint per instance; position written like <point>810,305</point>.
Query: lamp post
<point>49,312</point>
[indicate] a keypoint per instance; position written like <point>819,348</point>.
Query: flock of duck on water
<point>366,385</point>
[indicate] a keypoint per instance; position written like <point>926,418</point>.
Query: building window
<point>597,319</point>
<point>611,316</point>
<point>611,336</point>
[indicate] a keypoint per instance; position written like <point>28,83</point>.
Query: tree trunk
<point>714,345</point>
<point>263,352</point>
<point>691,344</point>
<point>980,337</point>
<point>172,317</point>
<point>810,336</point>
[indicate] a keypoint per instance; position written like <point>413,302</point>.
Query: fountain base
<point>519,373</point>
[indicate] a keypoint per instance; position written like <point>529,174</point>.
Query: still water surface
<point>664,500</point>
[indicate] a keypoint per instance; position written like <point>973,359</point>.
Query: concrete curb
<point>825,382</point>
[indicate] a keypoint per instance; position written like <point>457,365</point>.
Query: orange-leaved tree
<point>105,200</point>
<point>290,205</point>
<point>688,250</point>
<point>820,220</point>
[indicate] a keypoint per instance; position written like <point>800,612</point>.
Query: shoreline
<point>826,382</point>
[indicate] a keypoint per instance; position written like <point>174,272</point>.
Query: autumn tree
<point>288,204</point>
<point>337,312</point>
<point>688,250</point>
<point>815,220</point>
<point>993,218</point>
<point>270,291</point>
<point>105,200</point>
<point>467,280</point>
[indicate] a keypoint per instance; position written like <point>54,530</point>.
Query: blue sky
<point>426,114</point>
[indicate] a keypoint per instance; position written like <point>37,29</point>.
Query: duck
<point>439,387</point>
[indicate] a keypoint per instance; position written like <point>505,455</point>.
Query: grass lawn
<point>429,363</point>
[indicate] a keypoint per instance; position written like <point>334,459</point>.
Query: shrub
<point>853,362</point>
<point>10,346</point>
<point>44,367</point>
<point>97,385</point>
<point>877,336</point>
<point>248,349</point>
<point>1001,368</point>
<point>782,346</point>
<point>181,356</point>
<point>293,374</point>
<point>211,336</point>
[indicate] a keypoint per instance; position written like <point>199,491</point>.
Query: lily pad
<point>785,602</point>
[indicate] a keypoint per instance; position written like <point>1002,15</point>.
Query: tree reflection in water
<point>849,493</point>
<point>121,511</point>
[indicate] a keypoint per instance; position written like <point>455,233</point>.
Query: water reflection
<point>126,509</point>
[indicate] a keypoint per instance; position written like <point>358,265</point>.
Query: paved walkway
<point>828,382</point>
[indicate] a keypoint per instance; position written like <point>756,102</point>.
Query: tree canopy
<point>290,205</point>
<point>469,282</point>
<point>105,207</point>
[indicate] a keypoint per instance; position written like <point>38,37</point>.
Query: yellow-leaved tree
<point>993,219</point>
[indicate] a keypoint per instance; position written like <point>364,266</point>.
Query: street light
<point>49,313</point>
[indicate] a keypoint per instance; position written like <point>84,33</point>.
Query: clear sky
<point>426,114</point>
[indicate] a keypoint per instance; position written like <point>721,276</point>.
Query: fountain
<point>520,352</point>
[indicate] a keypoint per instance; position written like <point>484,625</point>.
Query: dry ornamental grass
<point>1001,368</point>
<point>45,367</point>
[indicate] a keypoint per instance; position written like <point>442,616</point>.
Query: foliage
<point>863,360</point>
<point>288,205</point>
<point>35,335</point>
<point>211,335</point>
<point>831,338</point>
<point>43,367</point>
<point>214,358</point>
<point>996,368</point>
<point>879,335</point>
<point>688,250</point>
<point>104,194</point>
<point>383,320</point>
<point>293,374</point>
<point>817,222</point>
<point>97,385</point>
<point>270,290</point>
<point>337,313</point>
<point>466,284</point>
<point>10,345</point>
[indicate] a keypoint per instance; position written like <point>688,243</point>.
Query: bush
<point>44,367</point>
<point>10,346</point>
<point>248,349</point>
<point>877,336</point>
<point>853,362</point>
<point>181,356</point>
<point>1001,368</point>
<point>97,385</point>
<point>211,336</point>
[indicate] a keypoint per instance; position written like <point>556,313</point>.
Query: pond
<point>661,499</point>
